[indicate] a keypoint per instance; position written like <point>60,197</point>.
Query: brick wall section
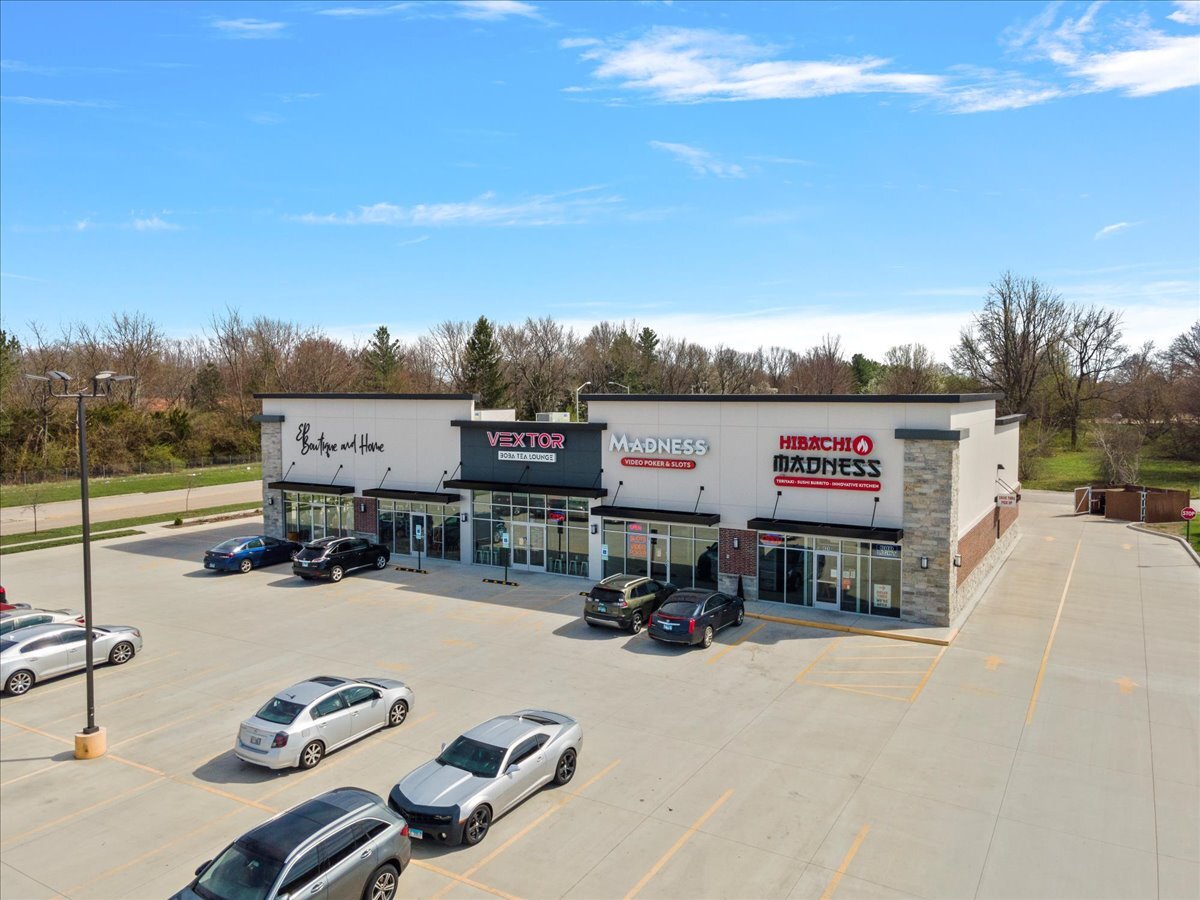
<point>930,525</point>
<point>742,562</point>
<point>272,470</point>
<point>366,522</point>
<point>975,545</point>
<point>970,585</point>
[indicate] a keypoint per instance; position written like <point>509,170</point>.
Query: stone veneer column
<point>272,470</point>
<point>930,529</point>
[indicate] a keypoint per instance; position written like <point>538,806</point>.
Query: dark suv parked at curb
<point>625,601</point>
<point>332,558</point>
<point>695,616</point>
<point>343,843</point>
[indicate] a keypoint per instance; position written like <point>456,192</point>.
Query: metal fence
<point>144,468</point>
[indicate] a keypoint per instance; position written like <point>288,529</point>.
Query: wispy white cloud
<point>20,277</point>
<point>298,97</point>
<point>83,224</point>
<point>1187,12</point>
<point>249,29</point>
<point>782,160</point>
<point>154,223</point>
<point>700,161</point>
<point>1110,230</point>
<point>417,240</point>
<point>479,10</point>
<point>688,65</point>
<point>55,101</point>
<point>17,66</point>
<point>1166,64</point>
<point>566,208</point>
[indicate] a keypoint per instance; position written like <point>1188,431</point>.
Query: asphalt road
<point>17,520</point>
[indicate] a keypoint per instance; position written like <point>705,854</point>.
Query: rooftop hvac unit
<point>553,417</point>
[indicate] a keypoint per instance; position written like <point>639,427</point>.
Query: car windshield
<point>677,608</point>
<point>229,546</point>
<point>482,760</point>
<point>311,553</point>
<point>238,874</point>
<point>281,712</point>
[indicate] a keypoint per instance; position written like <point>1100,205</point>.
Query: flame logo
<point>863,445</point>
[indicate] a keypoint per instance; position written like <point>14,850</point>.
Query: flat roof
<point>791,398</point>
<point>357,396</point>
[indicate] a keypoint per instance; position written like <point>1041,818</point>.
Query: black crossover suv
<point>332,558</point>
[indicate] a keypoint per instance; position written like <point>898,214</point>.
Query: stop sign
<point>1188,512</point>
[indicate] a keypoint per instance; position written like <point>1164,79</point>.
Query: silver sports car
<point>299,725</point>
<point>485,773</point>
<point>29,655</point>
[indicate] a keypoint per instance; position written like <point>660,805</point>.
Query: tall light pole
<point>618,384</point>
<point>577,390</point>
<point>90,742</point>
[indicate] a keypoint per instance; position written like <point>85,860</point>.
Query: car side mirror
<point>204,865</point>
<point>443,746</point>
<point>378,695</point>
<point>515,767</point>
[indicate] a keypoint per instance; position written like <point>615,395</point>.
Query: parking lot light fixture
<point>91,742</point>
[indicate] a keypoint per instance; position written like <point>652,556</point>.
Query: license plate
<point>415,833</point>
<point>257,741</point>
<point>667,625</point>
<point>305,564</point>
<point>208,565</point>
<point>601,608</point>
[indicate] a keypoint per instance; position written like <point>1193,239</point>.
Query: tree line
<point>1062,364</point>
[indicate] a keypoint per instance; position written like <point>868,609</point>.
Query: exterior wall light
<point>957,561</point>
<point>736,543</point>
<point>924,562</point>
<point>270,501</point>
<point>595,528</point>
<point>362,507</point>
<point>466,517</point>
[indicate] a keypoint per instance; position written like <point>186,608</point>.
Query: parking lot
<point>1051,750</point>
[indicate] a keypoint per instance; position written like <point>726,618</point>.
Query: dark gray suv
<point>625,601</point>
<point>342,845</point>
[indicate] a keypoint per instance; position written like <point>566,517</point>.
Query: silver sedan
<point>486,772</point>
<point>29,655</point>
<point>300,724</point>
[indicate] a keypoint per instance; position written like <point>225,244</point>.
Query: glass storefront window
<point>545,532</point>
<point>859,577</point>
<point>440,530</point>
<point>683,555</point>
<point>310,517</point>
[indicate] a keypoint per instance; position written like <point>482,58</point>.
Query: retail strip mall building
<point>894,506</point>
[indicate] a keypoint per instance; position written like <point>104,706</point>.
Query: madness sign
<point>827,462</point>
<point>680,448</point>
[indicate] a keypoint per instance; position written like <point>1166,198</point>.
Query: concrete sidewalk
<point>17,519</point>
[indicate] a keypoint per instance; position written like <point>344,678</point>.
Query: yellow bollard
<point>91,746</point>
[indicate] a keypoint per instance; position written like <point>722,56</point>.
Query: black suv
<point>626,601</point>
<point>332,558</point>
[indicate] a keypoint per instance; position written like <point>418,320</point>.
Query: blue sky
<point>745,173</point>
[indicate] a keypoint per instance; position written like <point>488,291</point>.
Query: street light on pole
<point>91,742</point>
<point>618,384</point>
<point>577,390</point>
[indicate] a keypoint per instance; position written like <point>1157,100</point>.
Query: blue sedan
<point>241,554</point>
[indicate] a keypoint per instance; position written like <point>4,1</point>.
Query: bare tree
<point>1005,346</point>
<point>778,365</point>
<point>537,359</point>
<point>823,369</point>
<point>911,369</point>
<point>1120,453</point>
<point>230,343</point>
<point>35,494</point>
<point>682,367</point>
<point>1144,393</point>
<point>1088,353</point>
<point>135,347</point>
<point>735,371</point>
<point>447,345</point>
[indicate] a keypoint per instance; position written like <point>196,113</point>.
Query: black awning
<point>522,488</point>
<point>308,487</point>
<point>657,515</point>
<point>825,529</point>
<point>420,496</point>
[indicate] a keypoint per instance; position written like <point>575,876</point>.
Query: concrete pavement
<point>17,520</point>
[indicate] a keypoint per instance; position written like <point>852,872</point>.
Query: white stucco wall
<point>984,447</point>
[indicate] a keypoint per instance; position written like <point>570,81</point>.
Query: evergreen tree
<point>866,372</point>
<point>381,359</point>
<point>482,367</point>
<point>647,344</point>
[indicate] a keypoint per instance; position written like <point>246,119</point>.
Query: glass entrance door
<point>527,544</point>
<point>659,557</point>
<point>419,533</point>
<point>826,576</point>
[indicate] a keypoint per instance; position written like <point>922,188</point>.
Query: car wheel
<point>565,770</point>
<point>336,573</point>
<point>380,561</point>
<point>122,653</point>
<point>477,825</point>
<point>245,566</point>
<point>397,714</point>
<point>313,753</point>
<point>706,642</point>
<point>635,624</point>
<point>19,682</point>
<point>382,885</point>
<point>741,616</point>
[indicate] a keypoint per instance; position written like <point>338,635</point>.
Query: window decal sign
<point>845,463</point>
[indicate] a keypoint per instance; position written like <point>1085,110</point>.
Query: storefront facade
<point>881,506</point>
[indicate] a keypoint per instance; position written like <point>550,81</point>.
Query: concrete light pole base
<point>91,746</point>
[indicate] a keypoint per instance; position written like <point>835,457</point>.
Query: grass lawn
<point>77,530</point>
<point>51,491</point>
<point>63,542</point>
<point>1065,470</point>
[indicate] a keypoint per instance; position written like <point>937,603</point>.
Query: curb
<point>1136,526</point>
<point>847,629</point>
